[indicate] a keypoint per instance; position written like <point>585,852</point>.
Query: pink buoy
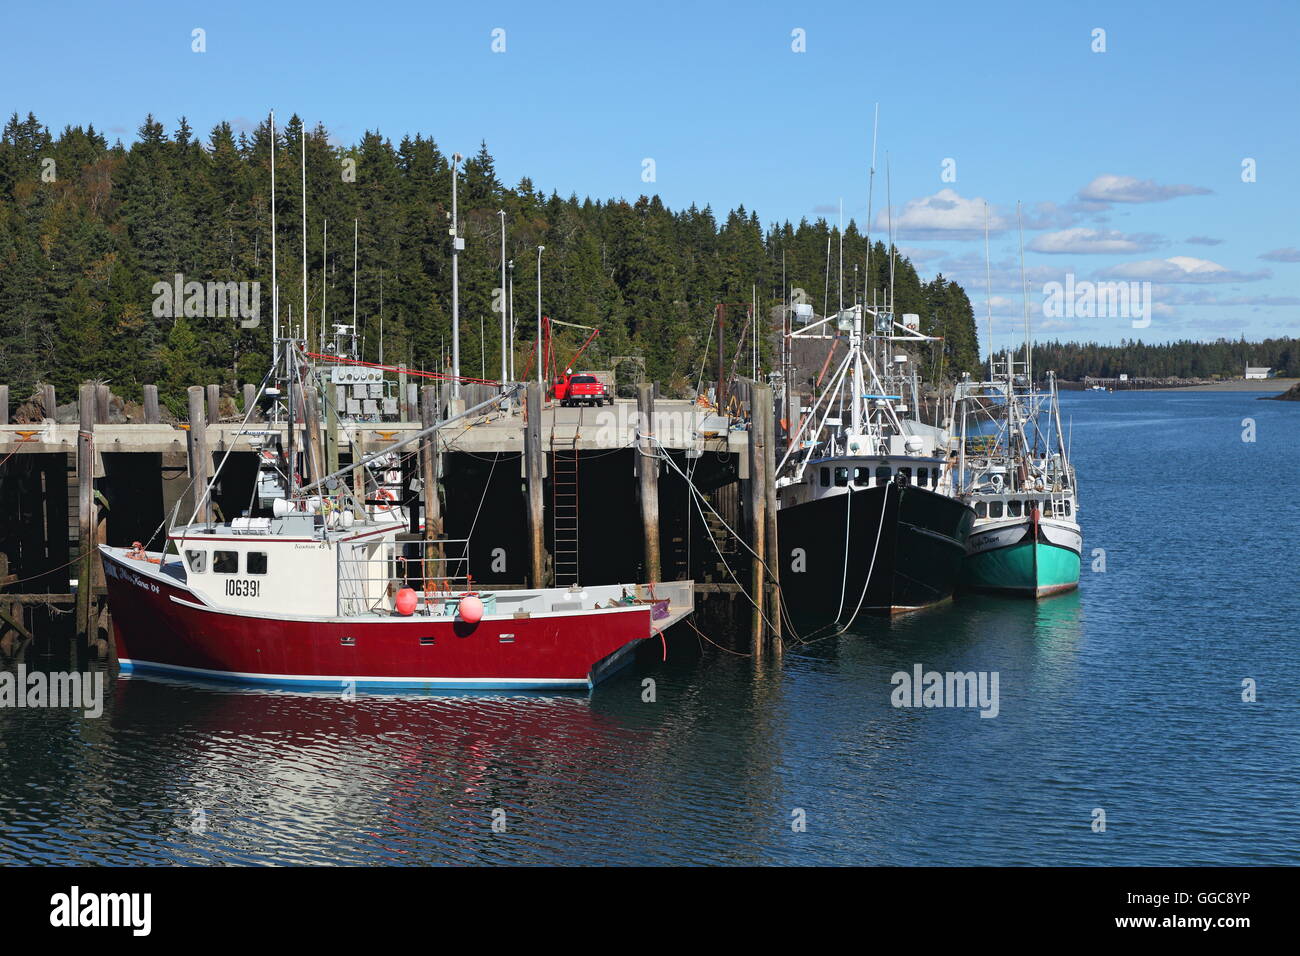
<point>471,609</point>
<point>406,601</point>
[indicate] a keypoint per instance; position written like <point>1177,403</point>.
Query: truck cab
<point>581,388</point>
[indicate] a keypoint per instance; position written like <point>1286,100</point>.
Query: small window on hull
<point>1067,507</point>
<point>1013,509</point>
<point>907,474</point>
<point>995,509</point>
<point>922,476</point>
<point>883,475</point>
<point>826,477</point>
<point>981,510</point>
<point>841,477</point>
<point>862,476</point>
<point>257,562</point>
<point>225,562</point>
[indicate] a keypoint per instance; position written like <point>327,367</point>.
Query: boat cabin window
<point>1067,507</point>
<point>981,510</point>
<point>841,477</point>
<point>225,562</point>
<point>862,476</point>
<point>995,509</point>
<point>197,560</point>
<point>882,475</point>
<point>922,476</point>
<point>1047,507</point>
<point>907,475</point>
<point>1013,509</point>
<point>934,478</point>
<point>257,562</point>
<point>826,477</point>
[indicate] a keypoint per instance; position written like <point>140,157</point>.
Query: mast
<point>275,276</point>
<point>303,140</point>
<point>502,214</point>
<point>354,286</point>
<point>324,246</point>
<point>456,243</point>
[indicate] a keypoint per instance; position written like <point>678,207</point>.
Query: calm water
<point>1124,696</point>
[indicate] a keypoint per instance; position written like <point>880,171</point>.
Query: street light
<point>540,378</point>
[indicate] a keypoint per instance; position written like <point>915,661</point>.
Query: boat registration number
<point>240,587</point>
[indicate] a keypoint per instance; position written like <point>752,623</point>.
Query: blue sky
<point>1128,161</point>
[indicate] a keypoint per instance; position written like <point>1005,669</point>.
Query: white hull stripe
<point>128,665</point>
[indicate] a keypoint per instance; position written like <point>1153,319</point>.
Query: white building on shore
<point>1252,372</point>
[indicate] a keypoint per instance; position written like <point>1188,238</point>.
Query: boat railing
<point>371,575</point>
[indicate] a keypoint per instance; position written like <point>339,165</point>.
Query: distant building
<point>1252,372</point>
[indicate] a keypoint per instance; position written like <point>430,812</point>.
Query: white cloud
<point>945,215</point>
<point>1093,242</point>
<point>1181,269</point>
<point>1109,188</point>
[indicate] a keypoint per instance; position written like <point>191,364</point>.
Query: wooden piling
<point>434,565</point>
<point>86,407</point>
<point>4,404</point>
<point>250,396</point>
<point>648,475</point>
<point>533,465</point>
<point>764,414</point>
<point>101,404</point>
<point>198,452</point>
<point>48,401</point>
<point>151,415</point>
<point>359,474</point>
<point>757,452</point>
<point>214,404</point>
<point>311,412</point>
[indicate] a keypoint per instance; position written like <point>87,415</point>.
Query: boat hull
<point>1013,559</point>
<point>917,563</point>
<point>160,626</point>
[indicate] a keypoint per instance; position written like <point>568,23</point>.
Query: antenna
<point>1024,290</point>
<point>841,270</point>
<point>871,180</point>
<point>889,206</point>
<point>988,278</point>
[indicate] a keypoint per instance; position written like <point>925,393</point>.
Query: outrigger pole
<point>410,439</point>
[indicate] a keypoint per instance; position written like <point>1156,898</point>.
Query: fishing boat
<point>324,590</point>
<point>866,513</point>
<point>1014,469</point>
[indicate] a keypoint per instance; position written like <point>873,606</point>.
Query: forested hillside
<point>1225,358</point>
<point>88,228</point>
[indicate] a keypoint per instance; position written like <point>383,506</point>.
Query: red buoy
<point>471,609</point>
<point>405,602</point>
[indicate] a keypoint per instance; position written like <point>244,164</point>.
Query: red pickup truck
<point>581,389</point>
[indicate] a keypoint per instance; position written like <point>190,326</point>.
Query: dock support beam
<point>4,404</point>
<point>648,472</point>
<point>198,449</point>
<point>151,415</point>
<point>433,566</point>
<point>533,470</point>
<point>86,407</point>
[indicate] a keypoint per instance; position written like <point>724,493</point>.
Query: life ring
<point>384,495</point>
